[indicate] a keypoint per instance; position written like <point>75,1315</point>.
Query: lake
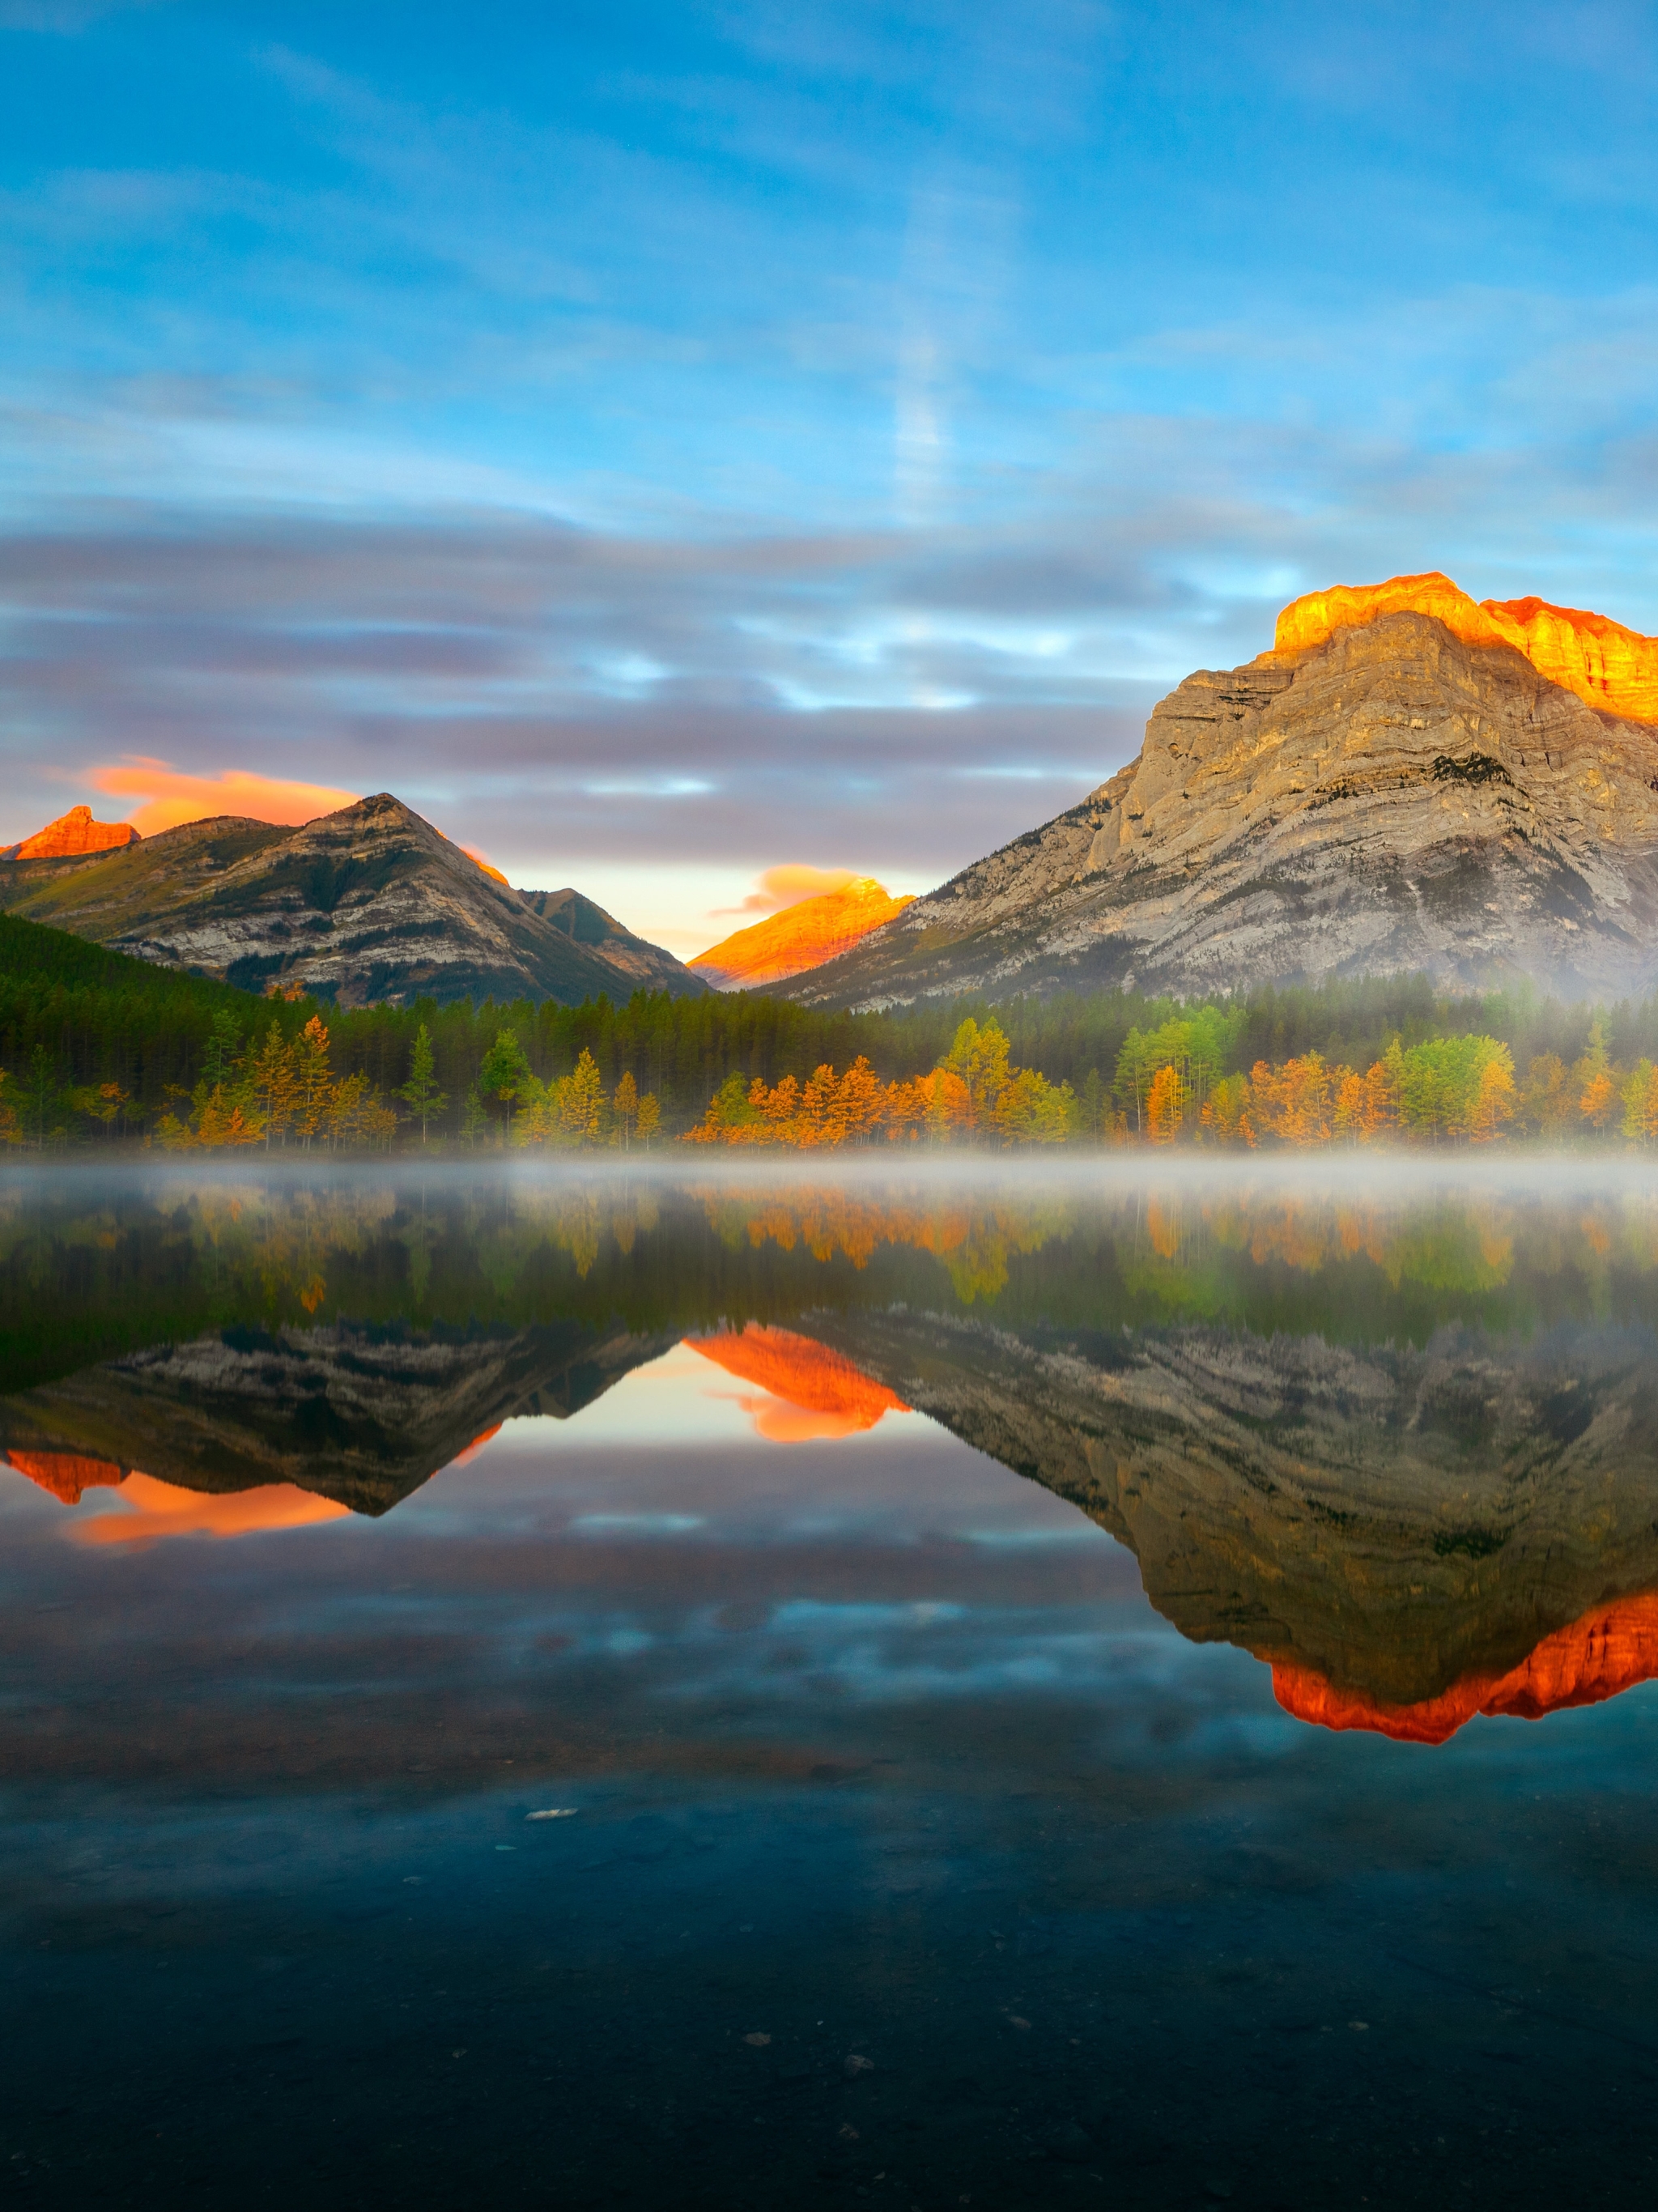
<point>1124,1686</point>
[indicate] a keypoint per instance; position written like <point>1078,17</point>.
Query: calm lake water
<point>669,1690</point>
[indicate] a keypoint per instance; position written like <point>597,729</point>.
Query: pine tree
<point>276,1083</point>
<point>313,1080</point>
<point>650,1119</point>
<point>421,1093</point>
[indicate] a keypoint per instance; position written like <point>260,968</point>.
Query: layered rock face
<point>73,833</point>
<point>1407,1535</point>
<point>369,905</point>
<point>1399,785</point>
<point>800,937</point>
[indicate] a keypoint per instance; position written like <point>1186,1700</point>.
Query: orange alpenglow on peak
<point>1608,666</point>
<point>822,1395</point>
<point>71,833</point>
<point>66,1474</point>
<point>1596,1657</point>
<point>800,936</point>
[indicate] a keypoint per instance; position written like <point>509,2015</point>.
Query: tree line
<point>95,1047</point>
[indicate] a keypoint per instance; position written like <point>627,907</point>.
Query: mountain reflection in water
<point>1402,1447</point>
<point>663,1688</point>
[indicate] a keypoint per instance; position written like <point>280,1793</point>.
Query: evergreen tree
<point>421,1093</point>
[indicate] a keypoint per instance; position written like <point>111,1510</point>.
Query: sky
<point>670,444</point>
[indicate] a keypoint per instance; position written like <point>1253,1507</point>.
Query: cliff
<point>802,936</point>
<point>369,905</point>
<point>1407,780</point>
<point>71,834</point>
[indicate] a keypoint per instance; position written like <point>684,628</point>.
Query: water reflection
<point>799,1545</point>
<point>1400,1446</point>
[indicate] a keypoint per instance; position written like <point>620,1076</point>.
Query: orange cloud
<point>162,1508</point>
<point>788,885</point>
<point>171,797</point>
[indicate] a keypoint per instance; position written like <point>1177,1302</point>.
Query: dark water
<point>653,1692</point>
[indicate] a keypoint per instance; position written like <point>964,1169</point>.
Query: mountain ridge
<point>369,905</point>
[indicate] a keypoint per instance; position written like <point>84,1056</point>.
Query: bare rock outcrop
<point>1379,793</point>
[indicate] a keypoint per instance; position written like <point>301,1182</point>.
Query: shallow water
<point>677,1690</point>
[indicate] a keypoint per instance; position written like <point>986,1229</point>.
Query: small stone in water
<point>855,2066</point>
<point>758,2039</point>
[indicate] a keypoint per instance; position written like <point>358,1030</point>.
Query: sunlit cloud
<point>169,796</point>
<point>144,1508</point>
<point>786,886</point>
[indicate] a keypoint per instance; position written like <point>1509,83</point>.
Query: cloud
<point>788,885</point>
<point>170,797</point>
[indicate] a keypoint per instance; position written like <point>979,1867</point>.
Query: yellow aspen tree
<point>1349,1118</point>
<point>1494,1101</point>
<point>858,1101</point>
<point>1599,1100</point>
<point>1165,1108</point>
<point>581,1102</point>
<point>624,1107</point>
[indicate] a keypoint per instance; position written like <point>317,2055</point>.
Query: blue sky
<point>662,442</point>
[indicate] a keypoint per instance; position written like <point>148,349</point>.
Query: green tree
<point>219,1054</point>
<point>421,1093</point>
<point>505,1076</point>
<point>42,1092</point>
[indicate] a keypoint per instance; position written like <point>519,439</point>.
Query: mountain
<point>73,833</point>
<point>1407,1535</point>
<point>800,936</point>
<point>360,1415</point>
<point>369,905</point>
<point>1407,780</point>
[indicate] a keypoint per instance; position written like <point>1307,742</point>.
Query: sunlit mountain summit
<point>1406,780</point>
<point>803,936</point>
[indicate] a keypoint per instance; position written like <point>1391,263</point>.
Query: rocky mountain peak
<point>70,835</point>
<point>803,936</point>
<point>1610,668</point>
<point>1406,780</point>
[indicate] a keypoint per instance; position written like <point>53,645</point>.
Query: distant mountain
<point>1406,780</point>
<point>369,905</point>
<point>800,937</point>
<point>74,833</point>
